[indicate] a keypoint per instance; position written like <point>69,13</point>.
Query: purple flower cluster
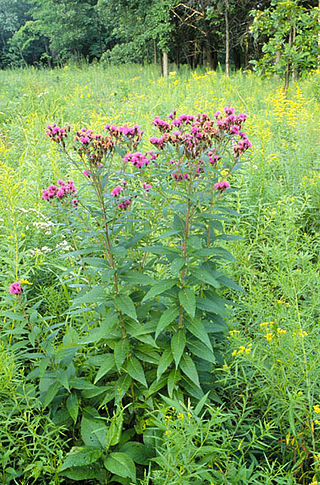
<point>198,133</point>
<point>60,191</point>
<point>137,159</point>
<point>124,204</point>
<point>126,133</point>
<point>222,186</point>
<point>242,145</point>
<point>93,146</point>
<point>16,288</point>
<point>57,134</point>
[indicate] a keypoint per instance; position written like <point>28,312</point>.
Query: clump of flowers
<point>16,288</point>
<point>57,134</point>
<point>131,135</point>
<point>222,186</point>
<point>137,159</point>
<point>200,139</point>
<point>60,191</point>
<point>92,147</point>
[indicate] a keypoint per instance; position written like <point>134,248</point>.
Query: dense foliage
<point>205,32</point>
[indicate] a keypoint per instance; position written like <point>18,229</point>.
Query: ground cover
<point>265,387</point>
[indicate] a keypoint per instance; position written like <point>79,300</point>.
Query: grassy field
<point>269,366</point>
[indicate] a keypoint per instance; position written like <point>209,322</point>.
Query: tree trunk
<point>294,70</point>
<point>48,55</point>
<point>246,50</point>
<point>288,69</point>
<point>165,64</point>
<point>155,60</point>
<point>226,16</point>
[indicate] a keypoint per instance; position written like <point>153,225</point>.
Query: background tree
<point>291,39</point>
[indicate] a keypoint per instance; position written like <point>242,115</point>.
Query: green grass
<point>277,262</point>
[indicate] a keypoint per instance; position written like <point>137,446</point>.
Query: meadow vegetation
<point>81,394</point>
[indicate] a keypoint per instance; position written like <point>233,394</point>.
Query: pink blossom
<point>116,191</point>
<point>147,187</point>
<point>124,204</point>
<point>222,186</point>
<point>16,288</point>
<point>87,173</point>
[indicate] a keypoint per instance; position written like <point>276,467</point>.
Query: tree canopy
<point>269,34</point>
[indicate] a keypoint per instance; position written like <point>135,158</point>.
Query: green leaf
<point>201,350</point>
<point>126,305</point>
<point>135,370</point>
<point>80,473</point>
<point>188,301</point>
<point>81,456</point>
<point>137,278</point>
<point>160,250</point>
<point>106,366</point>
<point>165,361</point>
<point>205,275</point>
<point>107,325</point>
<point>95,295</point>
<point>197,329</point>
<point>173,378</point>
<point>121,350</point>
<point>50,394</point>
<point>211,305</point>
<point>139,452</point>
<point>200,404</point>
<point>229,283</point>
<point>120,464</point>
<point>177,264</point>
<point>166,318</point>
<point>178,343</point>
<point>121,387</point>
<point>216,252</point>
<point>115,429</point>
<point>189,369</point>
<point>159,288</point>
<point>72,404</point>
<point>94,432</point>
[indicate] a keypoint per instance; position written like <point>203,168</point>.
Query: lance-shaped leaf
<point>188,301</point>
<point>178,343</point>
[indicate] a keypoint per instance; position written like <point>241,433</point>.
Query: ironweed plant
<point>149,316</point>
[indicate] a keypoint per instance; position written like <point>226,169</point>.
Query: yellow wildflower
<point>25,282</point>
<point>180,416</point>
<point>316,409</point>
<point>233,332</point>
<point>269,336</point>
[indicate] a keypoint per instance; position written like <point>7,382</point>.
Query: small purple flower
<point>15,288</point>
<point>222,186</point>
<point>116,191</point>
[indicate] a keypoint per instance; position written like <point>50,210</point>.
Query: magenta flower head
<point>222,186</point>
<point>147,187</point>
<point>116,191</point>
<point>15,288</point>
